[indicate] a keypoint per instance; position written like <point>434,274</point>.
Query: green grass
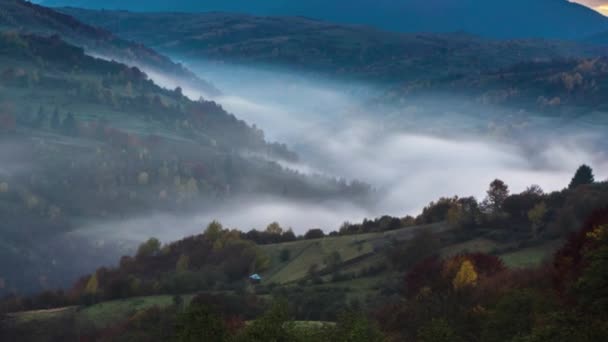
<point>42,315</point>
<point>99,315</point>
<point>476,245</point>
<point>531,257</point>
<point>305,253</point>
<point>106,313</point>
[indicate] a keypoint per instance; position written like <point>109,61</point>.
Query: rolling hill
<point>339,50</point>
<point>83,139</point>
<point>490,18</point>
<point>26,17</point>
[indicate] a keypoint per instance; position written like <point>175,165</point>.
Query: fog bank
<point>411,156</point>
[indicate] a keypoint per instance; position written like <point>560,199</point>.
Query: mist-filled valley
<point>227,176</point>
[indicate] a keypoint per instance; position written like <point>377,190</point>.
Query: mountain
<point>490,18</point>
<point>341,50</point>
<point>531,74</point>
<point>85,143</point>
<point>23,16</point>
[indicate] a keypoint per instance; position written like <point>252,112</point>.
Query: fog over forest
<point>402,153</point>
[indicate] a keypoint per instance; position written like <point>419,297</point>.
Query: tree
<point>438,330</point>
<point>583,176</point>
<point>200,323</point>
<point>92,284</point>
<point>466,276</point>
<point>183,263</point>
<point>149,248</point>
<point>355,327</point>
<point>496,196</point>
<point>333,260</point>
<point>270,327</point>
<point>274,228</point>
<point>537,216</point>
<point>214,230</point>
<point>314,234</point>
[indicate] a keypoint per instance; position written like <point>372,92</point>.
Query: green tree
<point>333,260</point>
<point>583,176</point>
<point>200,323</point>
<point>438,330</point>
<point>92,284</point>
<point>270,327</point>
<point>274,228</point>
<point>355,327</point>
<point>496,196</point>
<point>149,248</point>
<point>512,316</point>
<point>537,216</point>
<point>214,230</point>
<point>183,263</point>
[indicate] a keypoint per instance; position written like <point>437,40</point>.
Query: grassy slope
<point>304,254</point>
<point>356,252</point>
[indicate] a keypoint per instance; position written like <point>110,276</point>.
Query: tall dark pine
<point>584,175</point>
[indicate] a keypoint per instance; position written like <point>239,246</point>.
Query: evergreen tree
<point>583,176</point>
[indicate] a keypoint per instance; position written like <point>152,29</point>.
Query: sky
<point>599,5</point>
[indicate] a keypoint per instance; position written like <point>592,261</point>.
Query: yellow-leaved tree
<point>92,284</point>
<point>466,276</point>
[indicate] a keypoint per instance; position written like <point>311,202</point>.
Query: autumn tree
<point>583,176</point>
<point>466,276</point>
<point>92,284</point>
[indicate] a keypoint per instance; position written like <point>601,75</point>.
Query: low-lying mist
<point>411,154</point>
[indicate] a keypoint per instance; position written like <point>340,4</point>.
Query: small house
<point>255,278</point>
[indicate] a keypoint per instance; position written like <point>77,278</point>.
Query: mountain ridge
<point>27,17</point>
<point>539,19</point>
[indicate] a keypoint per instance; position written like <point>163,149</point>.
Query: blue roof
<point>255,277</point>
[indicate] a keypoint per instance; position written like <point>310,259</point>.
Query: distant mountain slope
<point>320,46</point>
<point>23,16</point>
<point>85,140</point>
<point>490,18</point>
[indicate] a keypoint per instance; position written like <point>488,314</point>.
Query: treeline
<point>473,297</point>
<point>532,213</point>
<point>218,259</point>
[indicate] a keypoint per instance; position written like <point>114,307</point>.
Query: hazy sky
<point>599,5</point>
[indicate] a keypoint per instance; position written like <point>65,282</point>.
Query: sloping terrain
<point>491,18</point>
<point>339,50</point>
<point>26,17</point>
<point>83,139</point>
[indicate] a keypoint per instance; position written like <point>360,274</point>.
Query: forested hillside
<point>555,19</point>
<point>467,269</point>
<point>85,139</point>
<point>26,17</point>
